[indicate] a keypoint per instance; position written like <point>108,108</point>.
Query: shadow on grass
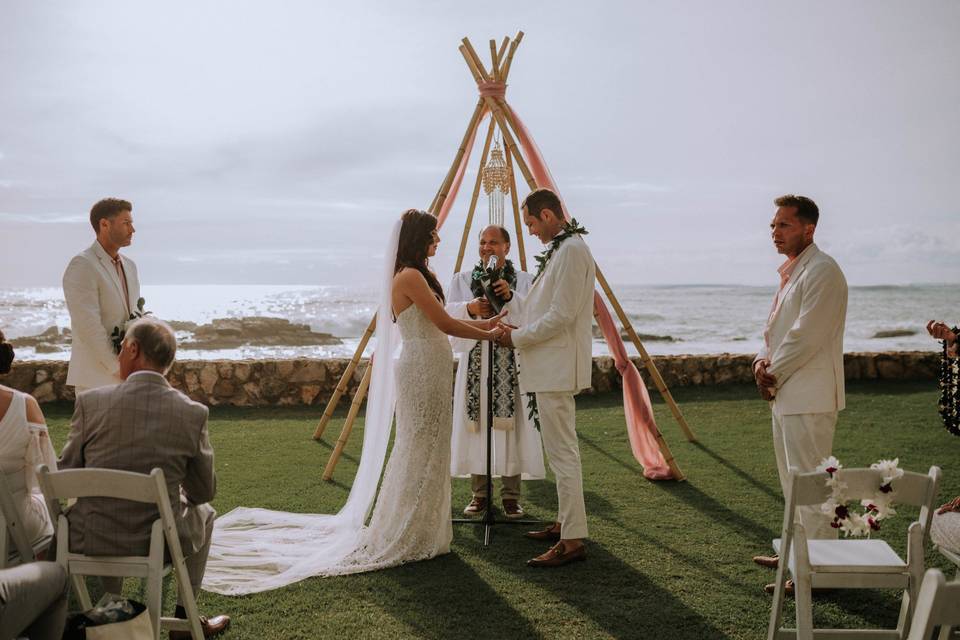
<point>625,603</point>
<point>751,530</point>
<point>445,598</point>
<point>743,475</point>
<point>631,465</point>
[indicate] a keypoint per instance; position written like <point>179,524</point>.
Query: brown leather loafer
<point>512,508</point>
<point>211,627</point>
<point>787,587</point>
<point>770,562</point>
<point>551,533</point>
<point>559,555</point>
<point>476,507</point>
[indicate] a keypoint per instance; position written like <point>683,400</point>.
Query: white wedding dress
<point>255,550</point>
<point>411,520</point>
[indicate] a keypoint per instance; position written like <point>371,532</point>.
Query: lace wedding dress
<point>411,519</point>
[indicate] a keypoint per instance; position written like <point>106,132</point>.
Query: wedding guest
<point>516,442</point>
<point>554,345</point>
<point>101,288</point>
<point>945,529</point>
<point>799,369</point>
<point>33,601</point>
<point>139,425</point>
<point>24,444</point>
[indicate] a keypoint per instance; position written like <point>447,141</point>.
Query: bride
<point>256,550</point>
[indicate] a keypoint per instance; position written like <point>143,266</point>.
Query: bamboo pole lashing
<point>344,379</point>
<point>348,424</point>
<point>474,197</point>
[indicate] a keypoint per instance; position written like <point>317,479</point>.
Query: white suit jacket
<point>555,342</point>
<point>94,295</point>
<point>806,337</point>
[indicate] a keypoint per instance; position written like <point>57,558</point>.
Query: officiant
<point>517,450</point>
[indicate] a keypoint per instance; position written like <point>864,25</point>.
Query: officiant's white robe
<point>515,451</point>
<point>94,295</point>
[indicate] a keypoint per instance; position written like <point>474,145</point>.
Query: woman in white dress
<point>24,444</point>
<point>256,550</point>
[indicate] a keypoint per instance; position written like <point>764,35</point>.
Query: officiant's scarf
<point>504,366</point>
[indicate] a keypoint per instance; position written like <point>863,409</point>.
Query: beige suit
<point>136,426</point>
<point>554,358</point>
<point>804,346</point>
<point>95,299</point>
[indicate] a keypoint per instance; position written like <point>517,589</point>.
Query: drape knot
<point>492,89</point>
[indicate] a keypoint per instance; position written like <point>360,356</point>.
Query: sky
<point>275,143</point>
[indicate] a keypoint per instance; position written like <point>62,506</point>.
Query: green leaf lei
<point>570,229</point>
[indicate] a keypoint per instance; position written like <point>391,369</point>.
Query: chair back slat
<point>912,488</point>
<point>98,483</point>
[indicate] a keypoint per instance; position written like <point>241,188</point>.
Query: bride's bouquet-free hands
<point>494,326</point>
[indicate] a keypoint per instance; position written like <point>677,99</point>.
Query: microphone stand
<point>490,515</point>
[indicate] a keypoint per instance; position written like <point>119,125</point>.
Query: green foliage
<point>666,559</point>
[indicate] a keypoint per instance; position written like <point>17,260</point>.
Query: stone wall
<point>249,383</point>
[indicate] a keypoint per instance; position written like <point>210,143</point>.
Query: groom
<point>101,289</point>
<point>554,357</point>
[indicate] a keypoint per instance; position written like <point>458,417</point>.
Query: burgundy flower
<point>831,470</point>
<point>872,508</point>
<point>886,488</point>
<point>873,524</point>
<point>835,524</point>
<point>842,512</point>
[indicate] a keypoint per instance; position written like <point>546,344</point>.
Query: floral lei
<point>878,508</point>
<point>949,404</point>
<point>570,229</point>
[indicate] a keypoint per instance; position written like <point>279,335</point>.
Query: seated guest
<point>945,530</point>
<point>33,601</point>
<point>24,444</point>
<point>137,425</point>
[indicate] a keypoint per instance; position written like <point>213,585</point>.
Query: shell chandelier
<point>496,183</point>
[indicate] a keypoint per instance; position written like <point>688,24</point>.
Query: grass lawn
<point>666,560</point>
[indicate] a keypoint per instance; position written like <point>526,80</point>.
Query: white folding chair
<point>151,489</point>
<point>849,563</point>
<point>15,547</point>
<point>938,604</point>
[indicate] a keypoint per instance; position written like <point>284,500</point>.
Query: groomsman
<point>516,442</point>
<point>554,353</point>
<point>799,369</point>
<point>101,289</point>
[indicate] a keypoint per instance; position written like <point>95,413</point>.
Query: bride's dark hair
<point>6,354</point>
<point>416,236</point>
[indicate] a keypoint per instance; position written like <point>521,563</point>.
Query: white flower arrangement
<point>878,507</point>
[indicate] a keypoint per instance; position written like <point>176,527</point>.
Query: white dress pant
<point>558,429</point>
<point>803,440</point>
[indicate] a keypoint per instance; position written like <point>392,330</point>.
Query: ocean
<point>687,319</point>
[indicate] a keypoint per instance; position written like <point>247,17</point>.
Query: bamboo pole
<point>645,358</point>
<point>345,379</point>
<point>348,425</point>
<point>505,70</point>
<point>516,213</point>
<point>472,53</point>
<point>474,197</point>
<point>502,50</point>
<point>494,61</point>
<point>461,150</point>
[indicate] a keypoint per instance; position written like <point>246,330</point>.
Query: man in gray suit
<point>136,426</point>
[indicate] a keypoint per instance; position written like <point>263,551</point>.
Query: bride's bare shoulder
<point>408,277</point>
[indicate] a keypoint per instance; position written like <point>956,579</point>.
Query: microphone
<point>491,275</point>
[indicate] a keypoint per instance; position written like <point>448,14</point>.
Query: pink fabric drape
<point>641,426</point>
